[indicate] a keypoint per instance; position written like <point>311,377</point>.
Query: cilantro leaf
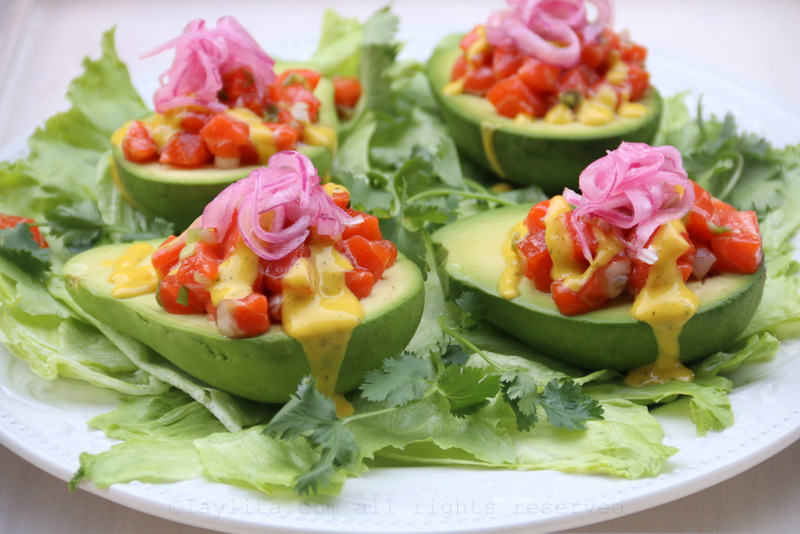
<point>455,355</point>
<point>567,406</point>
<point>402,379</point>
<point>80,225</point>
<point>468,389</point>
<point>18,246</point>
<point>312,415</point>
<point>471,310</point>
<point>521,393</point>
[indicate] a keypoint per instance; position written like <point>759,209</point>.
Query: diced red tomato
<point>285,137</point>
<point>239,88</point>
<point>506,60</point>
<point>369,228</point>
<point>10,221</point>
<point>193,120</point>
<point>201,267</point>
<point>512,97</point>
<point>224,135</point>
<point>376,256</point>
<point>478,81</point>
<point>340,195</point>
<point>359,281</point>
<point>538,75</point>
<point>701,223</point>
<point>244,317</point>
<point>738,250</point>
<point>632,52</point>
<point>346,91</point>
<point>167,254</point>
<point>185,149</point>
<point>639,80</point>
<point>181,299</point>
<point>137,144</point>
<point>589,297</point>
<point>306,77</point>
<point>535,258</point>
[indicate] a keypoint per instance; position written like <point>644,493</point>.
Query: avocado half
<point>179,195</point>
<point>469,257</point>
<point>537,153</point>
<point>265,368</point>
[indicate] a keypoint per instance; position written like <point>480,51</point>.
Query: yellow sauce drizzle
<point>487,137</point>
<point>321,312</point>
<point>131,275</point>
<point>508,285</point>
<point>666,304</point>
<point>237,273</point>
<point>559,242</point>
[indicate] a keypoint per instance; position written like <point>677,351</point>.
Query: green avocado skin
<point>549,156</point>
<point>604,339</point>
<point>266,368</point>
<point>179,195</point>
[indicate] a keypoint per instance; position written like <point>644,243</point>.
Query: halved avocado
<point>535,153</point>
<point>266,368</point>
<point>470,259</point>
<point>179,195</point>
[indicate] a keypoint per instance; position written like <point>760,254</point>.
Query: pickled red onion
<point>277,206</point>
<point>550,30</point>
<point>634,187</point>
<point>202,56</point>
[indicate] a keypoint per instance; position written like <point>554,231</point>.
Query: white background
<point>42,44</point>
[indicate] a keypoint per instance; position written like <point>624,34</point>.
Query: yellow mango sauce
<point>318,308</point>
<point>665,302</point>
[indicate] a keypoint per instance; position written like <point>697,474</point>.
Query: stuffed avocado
<point>605,284</point>
<point>277,280</point>
<point>222,109</point>
<point>538,93</point>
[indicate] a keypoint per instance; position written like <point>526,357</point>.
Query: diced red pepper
<point>137,144</point>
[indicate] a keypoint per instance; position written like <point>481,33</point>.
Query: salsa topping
<point>222,103</point>
<point>545,59</point>
<point>641,229</point>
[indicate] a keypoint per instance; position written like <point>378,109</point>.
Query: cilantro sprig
<point>408,378</point>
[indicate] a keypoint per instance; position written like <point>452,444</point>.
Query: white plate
<point>45,423</point>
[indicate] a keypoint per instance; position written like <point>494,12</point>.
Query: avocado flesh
<point>179,195</point>
<point>469,256</point>
<point>265,368</point>
<point>537,153</point>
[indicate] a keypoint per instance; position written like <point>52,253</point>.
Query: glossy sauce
<point>132,274</point>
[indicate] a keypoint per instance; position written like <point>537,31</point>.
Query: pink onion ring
<point>277,206</point>
<point>634,187</point>
<point>202,56</point>
<point>550,30</point>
